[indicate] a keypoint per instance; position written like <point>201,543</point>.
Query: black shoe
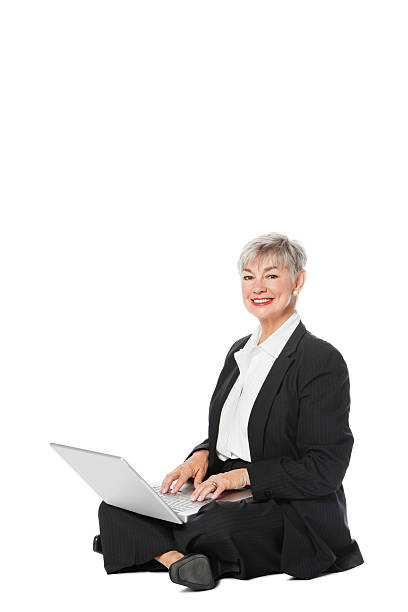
<point>97,544</point>
<point>193,571</point>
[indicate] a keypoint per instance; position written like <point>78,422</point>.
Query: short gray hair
<point>276,249</point>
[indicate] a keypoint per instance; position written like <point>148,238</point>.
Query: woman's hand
<point>195,467</point>
<point>234,479</point>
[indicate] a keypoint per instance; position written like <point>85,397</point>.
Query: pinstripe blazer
<point>300,443</point>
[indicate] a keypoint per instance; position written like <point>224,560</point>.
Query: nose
<point>259,287</point>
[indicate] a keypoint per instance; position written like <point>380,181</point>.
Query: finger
<point>197,491</point>
<point>167,482</point>
<point>209,488</point>
<point>218,492</point>
<point>202,491</point>
<point>199,478</point>
<point>206,490</point>
<point>181,480</point>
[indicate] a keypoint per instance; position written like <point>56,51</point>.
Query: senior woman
<point>278,423</point>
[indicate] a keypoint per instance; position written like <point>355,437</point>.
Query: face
<point>260,280</point>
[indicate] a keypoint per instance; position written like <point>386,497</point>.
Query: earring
<point>295,292</point>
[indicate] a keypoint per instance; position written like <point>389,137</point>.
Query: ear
<point>300,279</point>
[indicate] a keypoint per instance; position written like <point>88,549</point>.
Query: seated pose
<point>278,423</point>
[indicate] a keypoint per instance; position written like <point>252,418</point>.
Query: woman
<point>278,423</point>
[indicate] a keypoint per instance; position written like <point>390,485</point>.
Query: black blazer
<point>300,443</point>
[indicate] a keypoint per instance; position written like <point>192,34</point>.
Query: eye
<point>245,277</point>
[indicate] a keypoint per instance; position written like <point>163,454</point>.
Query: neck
<point>269,326</point>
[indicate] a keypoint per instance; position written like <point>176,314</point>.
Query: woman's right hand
<point>195,467</point>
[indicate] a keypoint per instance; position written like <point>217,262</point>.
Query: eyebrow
<point>265,270</point>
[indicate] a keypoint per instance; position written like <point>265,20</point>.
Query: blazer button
<point>267,493</point>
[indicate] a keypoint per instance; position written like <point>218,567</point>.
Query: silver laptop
<point>120,485</point>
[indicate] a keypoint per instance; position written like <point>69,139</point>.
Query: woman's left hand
<point>234,479</point>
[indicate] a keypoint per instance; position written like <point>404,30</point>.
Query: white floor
<point>48,562</point>
<point>85,586</point>
<point>74,579</point>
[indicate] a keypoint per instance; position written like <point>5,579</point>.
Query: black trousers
<point>242,539</point>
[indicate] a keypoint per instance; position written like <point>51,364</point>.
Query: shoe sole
<point>97,546</point>
<point>193,571</point>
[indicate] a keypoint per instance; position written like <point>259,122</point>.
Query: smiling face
<point>261,280</point>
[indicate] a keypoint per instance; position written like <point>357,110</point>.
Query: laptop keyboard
<point>178,502</point>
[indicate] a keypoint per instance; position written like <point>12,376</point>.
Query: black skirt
<point>242,539</point>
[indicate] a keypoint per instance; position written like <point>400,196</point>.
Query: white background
<point>142,145</point>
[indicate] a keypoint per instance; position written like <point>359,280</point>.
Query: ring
<point>214,484</point>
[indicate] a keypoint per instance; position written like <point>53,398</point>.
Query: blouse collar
<point>273,345</point>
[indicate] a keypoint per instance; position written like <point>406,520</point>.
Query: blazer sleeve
<point>324,439</point>
<point>205,445</point>
<point>202,446</point>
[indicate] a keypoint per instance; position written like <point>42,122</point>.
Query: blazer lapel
<point>231,375</point>
<point>264,400</point>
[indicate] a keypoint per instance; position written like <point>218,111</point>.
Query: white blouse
<point>254,363</point>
